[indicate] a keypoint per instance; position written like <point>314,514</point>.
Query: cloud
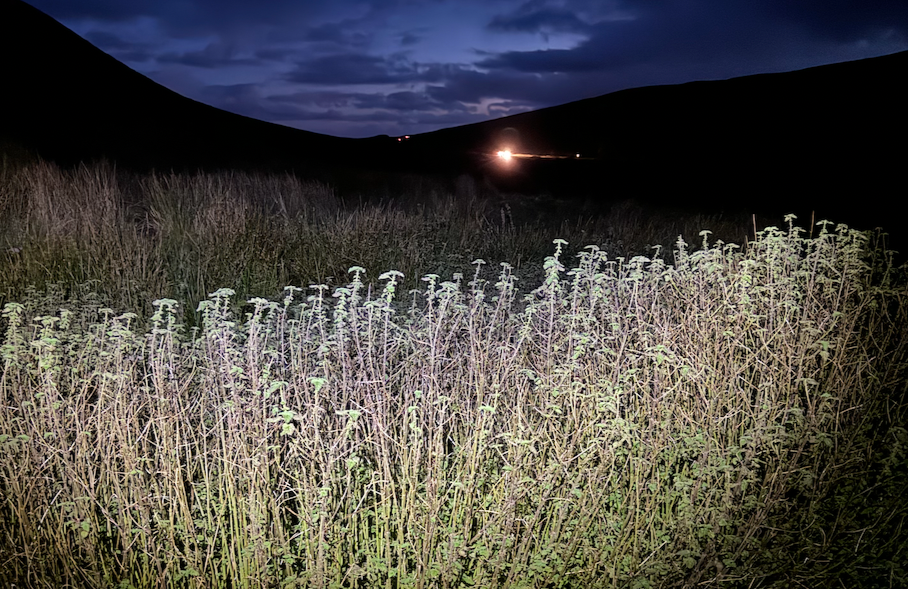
<point>396,102</point>
<point>126,51</point>
<point>409,38</point>
<point>666,32</point>
<point>843,20</point>
<point>538,17</point>
<point>519,90</point>
<point>247,99</point>
<point>655,30</point>
<point>102,10</point>
<point>279,54</point>
<point>191,18</point>
<point>108,41</point>
<point>547,61</point>
<point>507,108</point>
<point>362,114</point>
<point>406,101</point>
<point>346,69</point>
<point>360,68</point>
<point>341,34</point>
<point>214,55</point>
<point>233,94</point>
<point>835,20</point>
<point>322,98</point>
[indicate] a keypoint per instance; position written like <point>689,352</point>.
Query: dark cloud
<point>362,122</point>
<point>347,69</point>
<point>537,17</point>
<point>103,10</point>
<point>276,54</point>
<point>398,101</point>
<point>320,99</point>
<point>843,20</point>
<point>429,121</point>
<point>108,41</point>
<point>507,108</point>
<point>247,99</point>
<point>673,32</point>
<point>125,51</point>
<point>215,55</point>
<point>658,30</point>
<point>839,20</point>
<point>467,86</point>
<point>409,38</point>
<point>343,33</point>
<point>547,61</point>
<point>356,69</point>
<point>364,114</point>
<point>234,94</point>
<point>188,18</point>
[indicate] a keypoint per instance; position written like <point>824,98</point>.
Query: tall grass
<point>725,417</point>
<point>142,238</point>
<point>728,416</point>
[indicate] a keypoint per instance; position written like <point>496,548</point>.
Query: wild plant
<point>732,417</point>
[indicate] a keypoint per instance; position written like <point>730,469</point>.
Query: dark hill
<point>70,102</point>
<point>833,137</point>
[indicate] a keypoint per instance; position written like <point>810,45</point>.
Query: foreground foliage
<point>730,419</point>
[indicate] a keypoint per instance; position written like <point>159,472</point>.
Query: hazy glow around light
<point>504,154</point>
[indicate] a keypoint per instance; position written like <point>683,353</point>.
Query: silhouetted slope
<point>832,135</point>
<point>71,101</point>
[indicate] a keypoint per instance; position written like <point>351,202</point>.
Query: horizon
<point>361,69</point>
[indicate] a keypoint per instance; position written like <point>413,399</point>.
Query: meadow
<point>239,380</point>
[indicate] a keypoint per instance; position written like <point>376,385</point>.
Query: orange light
<point>504,154</point>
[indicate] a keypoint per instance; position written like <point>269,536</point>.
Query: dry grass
<point>734,417</point>
<point>141,238</point>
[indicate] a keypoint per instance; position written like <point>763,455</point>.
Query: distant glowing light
<point>507,155</point>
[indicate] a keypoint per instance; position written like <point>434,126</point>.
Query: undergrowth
<point>139,238</point>
<point>723,418</point>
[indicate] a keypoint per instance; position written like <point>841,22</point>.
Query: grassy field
<point>229,380</point>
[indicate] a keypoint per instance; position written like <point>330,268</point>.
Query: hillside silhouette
<point>831,136</point>
<point>69,101</point>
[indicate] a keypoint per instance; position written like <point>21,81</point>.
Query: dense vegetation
<point>580,411</point>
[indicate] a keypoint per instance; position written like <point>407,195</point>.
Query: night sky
<point>357,68</point>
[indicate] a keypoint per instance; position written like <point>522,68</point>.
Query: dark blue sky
<point>358,68</point>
